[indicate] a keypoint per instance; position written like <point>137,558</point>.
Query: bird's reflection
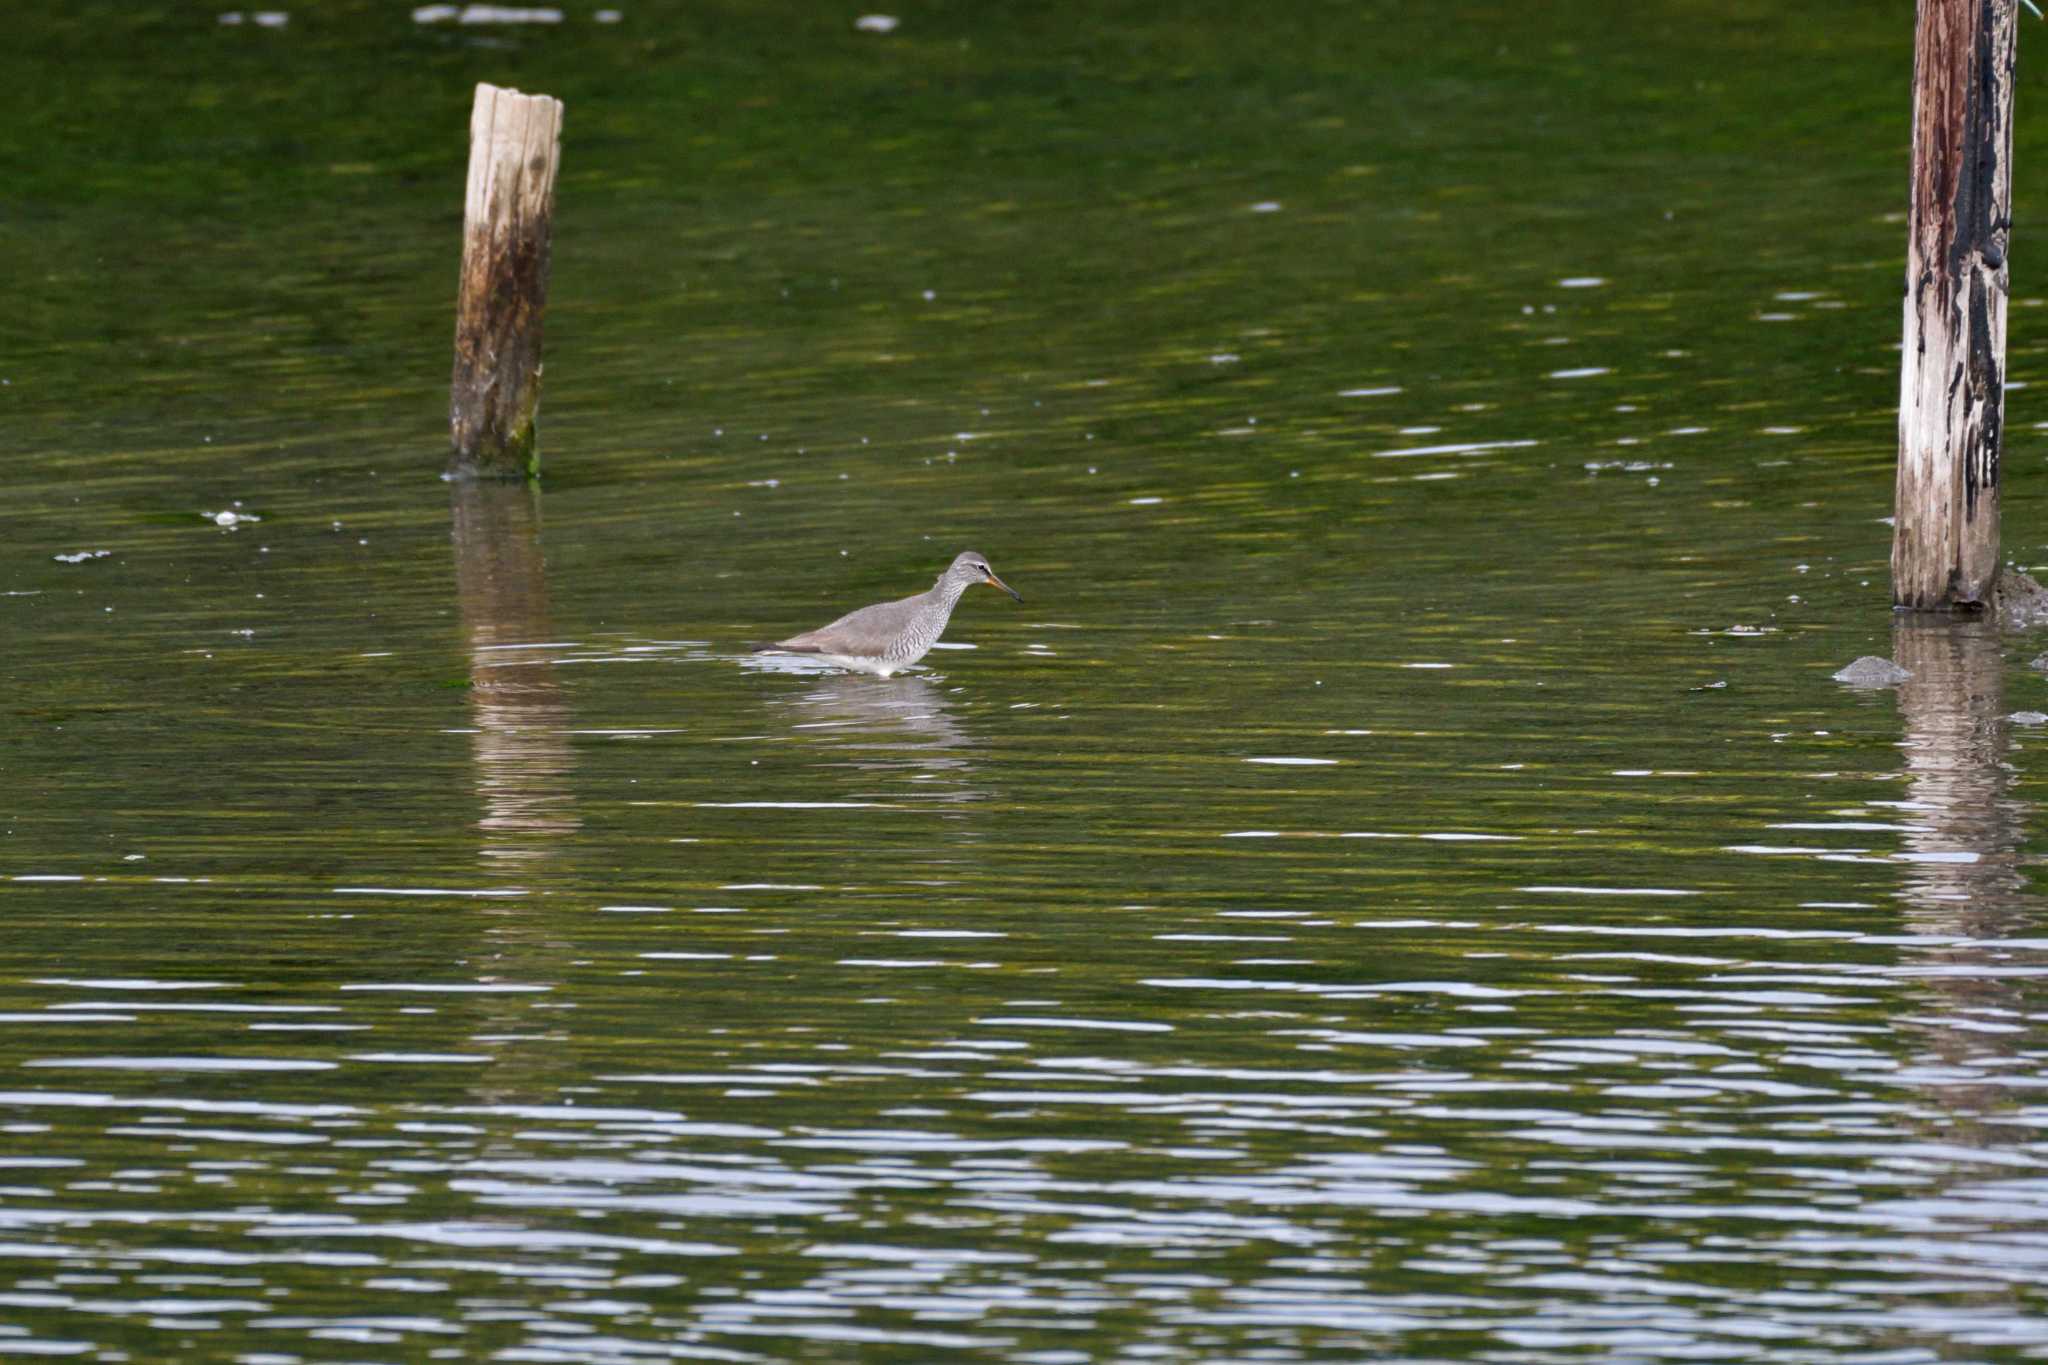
<point>901,726</point>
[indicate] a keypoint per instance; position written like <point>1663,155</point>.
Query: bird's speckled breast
<point>925,628</point>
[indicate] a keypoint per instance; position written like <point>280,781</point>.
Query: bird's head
<point>969,568</point>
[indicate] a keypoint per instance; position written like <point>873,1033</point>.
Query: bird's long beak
<point>995,582</point>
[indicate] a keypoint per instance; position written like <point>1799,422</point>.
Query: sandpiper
<point>891,636</point>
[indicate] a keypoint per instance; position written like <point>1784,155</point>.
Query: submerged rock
<point>1872,671</point>
<point>2022,603</point>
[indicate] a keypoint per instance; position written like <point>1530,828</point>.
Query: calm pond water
<point>1402,886</point>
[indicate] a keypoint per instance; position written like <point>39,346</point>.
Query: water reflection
<point>1964,839</point>
<point>900,708</point>
<point>1963,881</point>
<point>522,758</point>
<point>898,725</point>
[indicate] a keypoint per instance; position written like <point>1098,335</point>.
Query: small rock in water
<point>2022,603</point>
<point>2028,718</point>
<point>1872,671</point>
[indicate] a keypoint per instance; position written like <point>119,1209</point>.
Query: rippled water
<point>1404,883</point>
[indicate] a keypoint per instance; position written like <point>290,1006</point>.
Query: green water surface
<point>1403,885</point>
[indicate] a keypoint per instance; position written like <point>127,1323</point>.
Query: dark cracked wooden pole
<point>494,399</point>
<point>1952,372</point>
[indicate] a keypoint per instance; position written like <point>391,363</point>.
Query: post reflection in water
<point>522,753</point>
<point>1964,833</point>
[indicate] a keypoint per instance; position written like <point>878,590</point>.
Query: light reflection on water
<point>1706,1137</point>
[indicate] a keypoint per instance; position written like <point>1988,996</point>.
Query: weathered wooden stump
<point>494,399</point>
<point>1952,373</point>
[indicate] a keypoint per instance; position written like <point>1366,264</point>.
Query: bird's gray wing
<point>857,632</point>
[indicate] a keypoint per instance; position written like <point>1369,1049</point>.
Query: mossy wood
<point>1952,371</point>
<point>494,398</point>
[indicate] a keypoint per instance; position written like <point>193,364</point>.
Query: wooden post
<point>514,148</point>
<point>1952,372</point>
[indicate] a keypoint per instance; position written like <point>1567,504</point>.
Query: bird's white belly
<point>857,663</point>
